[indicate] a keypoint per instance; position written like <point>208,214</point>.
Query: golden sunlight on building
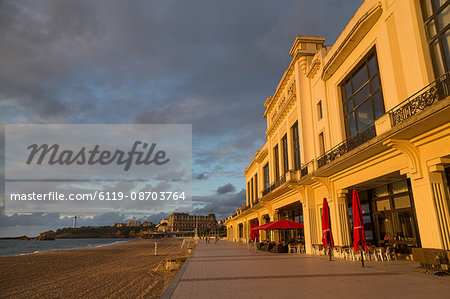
<point>369,113</point>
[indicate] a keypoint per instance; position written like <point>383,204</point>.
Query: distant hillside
<point>102,232</point>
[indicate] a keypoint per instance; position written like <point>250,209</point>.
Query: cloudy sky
<point>207,63</point>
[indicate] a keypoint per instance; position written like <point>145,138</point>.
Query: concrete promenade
<point>231,270</point>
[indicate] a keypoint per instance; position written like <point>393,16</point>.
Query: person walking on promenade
<point>216,239</point>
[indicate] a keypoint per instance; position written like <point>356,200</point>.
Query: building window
<point>248,193</point>
<point>296,146</point>
<point>277,162</point>
<point>266,176</point>
<point>319,110</point>
<point>321,144</point>
<point>252,192</point>
<point>436,18</point>
<point>285,153</point>
<point>362,95</point>
<point>256,186</point>
<point>389,216</point>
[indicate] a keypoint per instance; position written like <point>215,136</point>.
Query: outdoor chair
<point>292,249</point>
<point>390,252</point>
<point>356,255</point>
<point>380,253</point>
<point>341,253</point>
<point>300,248</point>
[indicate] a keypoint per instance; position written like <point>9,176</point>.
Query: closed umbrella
<point>327,236</point>
<point>359,238</point>
<point>256,232</point>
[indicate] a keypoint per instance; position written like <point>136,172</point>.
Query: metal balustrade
<point>421,100</point>
<point>347,145</point>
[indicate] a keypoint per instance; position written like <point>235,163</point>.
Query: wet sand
<point>119,271</point>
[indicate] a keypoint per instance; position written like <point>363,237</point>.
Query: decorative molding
<point>326,182</point>
<point>351,39</point>
<point>411,152</point>
<point>302,191</point>
<point>282,113</point>
<point>437,164</point>
<point>313,68</point>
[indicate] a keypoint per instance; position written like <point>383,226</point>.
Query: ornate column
<point>439,189</point>
<point>430,195</point>
<point>343,231</point>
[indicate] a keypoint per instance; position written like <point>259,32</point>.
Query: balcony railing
<point>347,145</point>
<point>421,100</point>
<point>281,180</point>
<point>304,170</point>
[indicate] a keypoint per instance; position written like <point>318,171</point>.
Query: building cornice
<point>350,38</point>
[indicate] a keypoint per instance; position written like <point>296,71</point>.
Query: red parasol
<point>256,232</point>
<point>284,224</point>
<point>261,226</point>
<point>359,238</point>
<point>327,236</point>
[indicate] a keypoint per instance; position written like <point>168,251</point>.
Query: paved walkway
<point>231,270</point>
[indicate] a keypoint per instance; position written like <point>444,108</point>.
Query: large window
<point>296,146</point>
<point>284,143</point>
<point>321,144</point>
<point>277,162</point>
<point>248,194</point>
<point>436,14</point>
<point>252,192</point>
<point>389,216</point>
<point>362,96</point>
<point>256,187</point>
<point>319,110</point>
<point>266,176</point>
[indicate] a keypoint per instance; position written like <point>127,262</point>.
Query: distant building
<point>147,223</point>
<point>162,227</point>
<point>134,223</point>
<point>119,224</point>
<point>185,222</point>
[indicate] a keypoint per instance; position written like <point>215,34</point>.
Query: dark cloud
<point>200,176</point>
<point>223,205</point>
<point>225,189</point>
<point>151,62</point>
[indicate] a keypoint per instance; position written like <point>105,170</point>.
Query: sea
<point>19,247</point>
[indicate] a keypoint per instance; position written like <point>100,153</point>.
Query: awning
<point>284,224</point>
<point>263,226</point>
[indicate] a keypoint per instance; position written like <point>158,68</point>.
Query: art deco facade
<point>369,113</point>
<point>183,222</point>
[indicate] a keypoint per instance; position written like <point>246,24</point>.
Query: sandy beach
<point>119,271</point>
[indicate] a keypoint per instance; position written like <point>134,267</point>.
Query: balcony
<point>281,180</point>
<point>347,145</point>
<point>421,100</point>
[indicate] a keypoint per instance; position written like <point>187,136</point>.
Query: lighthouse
<point>74,222</point>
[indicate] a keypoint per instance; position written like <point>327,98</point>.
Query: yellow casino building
<point>369,113</point>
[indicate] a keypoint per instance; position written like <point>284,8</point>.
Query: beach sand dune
<point>120,271</point>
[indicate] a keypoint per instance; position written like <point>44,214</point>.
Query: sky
<point>208,63</point>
